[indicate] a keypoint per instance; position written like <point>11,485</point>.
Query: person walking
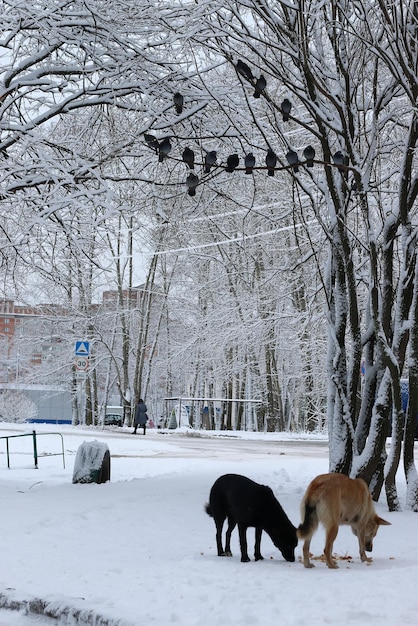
<point>141,416</point>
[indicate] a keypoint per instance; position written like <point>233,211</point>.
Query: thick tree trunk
<point>411,418</point>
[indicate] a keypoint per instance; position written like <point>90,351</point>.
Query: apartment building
<point>32,335</point>
<point>28,335</point>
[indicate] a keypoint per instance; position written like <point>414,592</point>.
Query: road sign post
<point>81,364</point>
<point>81,367</point>
<point>82,348</point>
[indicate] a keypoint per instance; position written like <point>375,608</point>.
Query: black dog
<point>247,503</point>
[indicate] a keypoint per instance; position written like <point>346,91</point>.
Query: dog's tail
<point>208,509</point>
<point>310,521</point>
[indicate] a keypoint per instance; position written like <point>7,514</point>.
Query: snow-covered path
<point>140,550</point>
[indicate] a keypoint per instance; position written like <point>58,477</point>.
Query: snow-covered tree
<point>69,74</point>
<point>331,87</point>
<point>16,407</point>
<point>75,61</point>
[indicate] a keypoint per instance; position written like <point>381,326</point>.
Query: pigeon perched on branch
<point>244,70</point>
<point>249,163</point>
<point>152,141</point>
<point>232,162</point>
<point>342,162</point>
<point>286,107</point>
<point>164,149</point>
<point>309,154</point>
<point>188,157</point>
<point>192,181</point>
<point>292,159</point>
<point>271,161</point>
<point>260,86</point>
<point>210,159</point>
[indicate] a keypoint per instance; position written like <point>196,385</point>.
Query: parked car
<point>112,419</point>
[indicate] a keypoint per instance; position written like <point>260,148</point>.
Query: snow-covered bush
<point>15,406</point>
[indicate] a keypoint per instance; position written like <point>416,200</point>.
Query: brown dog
<point>333,500</point>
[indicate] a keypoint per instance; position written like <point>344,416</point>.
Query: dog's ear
<point>382,522</point>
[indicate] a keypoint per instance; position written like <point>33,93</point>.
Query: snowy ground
<point>141,551</point>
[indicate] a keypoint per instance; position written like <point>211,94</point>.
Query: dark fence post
<point>35,449</point>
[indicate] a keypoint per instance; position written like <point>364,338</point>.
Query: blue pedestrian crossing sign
<point>82,348</point>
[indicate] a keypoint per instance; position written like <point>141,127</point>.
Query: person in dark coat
<point>141,416</point>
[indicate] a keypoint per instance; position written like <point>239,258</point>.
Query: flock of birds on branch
<point>163,147</point>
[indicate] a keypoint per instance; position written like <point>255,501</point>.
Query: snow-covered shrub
<point>15,406</point>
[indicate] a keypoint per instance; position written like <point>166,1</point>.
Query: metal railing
<point>36,456</point>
